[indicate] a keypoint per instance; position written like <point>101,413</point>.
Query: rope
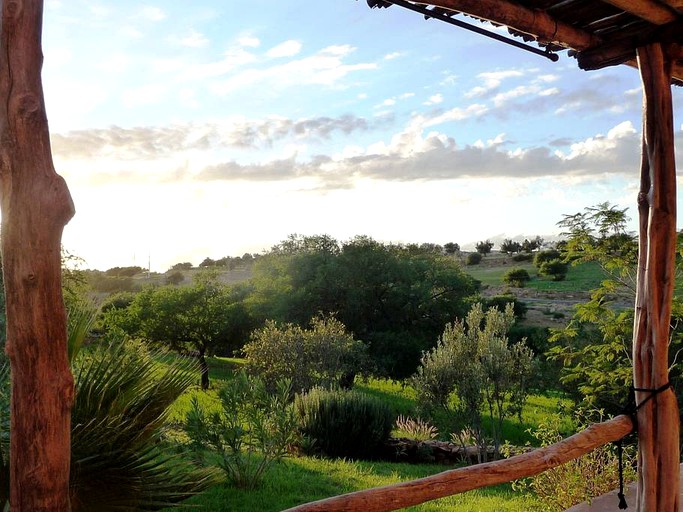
<point>631,409</point>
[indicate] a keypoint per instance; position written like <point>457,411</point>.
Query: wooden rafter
<point>649,10</point>
<point>534,22</point>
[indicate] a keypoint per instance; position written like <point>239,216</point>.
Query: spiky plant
<point>121,400</point>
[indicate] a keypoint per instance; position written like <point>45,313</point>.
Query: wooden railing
<point>455,481</point>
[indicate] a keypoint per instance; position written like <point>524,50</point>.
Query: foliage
<point>394,298</point>
<point>484,247</point>
<point>532,245</point>
<point>304,479</point>
<point>253,430</point>
<point>124,271</point>
<point>501,302</point>
<point>176,277</point>
<point>473,258</point>
<point>324,355</point>
<point>474,361</point>
<point>416,428</point>
<point>509,246</point>
<point>182,266</point>
<point>204,318</point>
<point>546,256</point>
<point>595,347</point>
<point>451,248</point>
<point>118,417</point>
<point>517,277</point>
<point>524,256</point>
<point>578,480</point>
<point>556,268</point>
<point>342,423</point>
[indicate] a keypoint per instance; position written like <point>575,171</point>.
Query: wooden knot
<point>28,103</point>
<point>31,278</point>
<point>13,8</point>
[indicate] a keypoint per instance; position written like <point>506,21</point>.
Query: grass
<point>303,479</point>
<point>580,278</point>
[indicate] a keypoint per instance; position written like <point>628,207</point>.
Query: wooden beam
<point>406,494</point>
<point>35,206</point>
<point>534,22</point>
<point>619,51</point>
<point>658,419</point>
<point>649,10</point>
<point>674,4</point>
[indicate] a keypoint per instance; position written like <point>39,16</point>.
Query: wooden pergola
<point>647,35</point>
<point>36,205</point>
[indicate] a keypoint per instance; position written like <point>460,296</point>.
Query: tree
<point>517,277</point>
<point>557,269</point>
<point>182,266</point>
<point>484,247</point>
<point>595,348</point>
<point>36,205</point>
<point>323,355</point>
<point>176,277</point>
<point>199,319</point>
<point>510,246</point>
<point>474,360</point>
<point>451,248</point>
<point>394,299</point>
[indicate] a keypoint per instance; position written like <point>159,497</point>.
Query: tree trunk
<point>658,419</point>
<point>203,368</point>
<point>35,207</point>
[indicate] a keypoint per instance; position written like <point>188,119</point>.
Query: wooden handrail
<point>455,481</point>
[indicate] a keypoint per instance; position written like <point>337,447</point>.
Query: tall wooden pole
<point>658,419</point>
<point>35,206</point>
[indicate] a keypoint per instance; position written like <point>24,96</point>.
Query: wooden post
<point>35,206</point>
<point>658,419</point>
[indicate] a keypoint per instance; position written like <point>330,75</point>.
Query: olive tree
<point>474,361</point>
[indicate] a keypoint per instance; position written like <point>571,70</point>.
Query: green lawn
<point>583,277</point>
<point>303,479</point>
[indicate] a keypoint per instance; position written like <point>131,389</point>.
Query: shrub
<point>524,256</point>
<point>556,268</point>
<point>580,479</point>
<point>340,423</point>
<point>517,277</point>
<point>320,356</point>
<point>252,432</point>
<point>501,301</point>
<point>473,258</point>
<point>543,256</point>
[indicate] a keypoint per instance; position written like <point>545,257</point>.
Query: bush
<point>251,433</point>
<point>524,256</point>
<point>580,479</point>
<point>473,258</point>
<point>517,277</point>
<point>323,355</point>
<point>557,269</point>
<point>544,256</point>
<point>340,423</point>
<point>501,301</point>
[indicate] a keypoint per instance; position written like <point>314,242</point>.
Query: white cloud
<point>434,99</point>
<point>249,41</point>
<point>194,40</point>
<point>393,55</point>
<point>152,13</point>
<point>287,49</point>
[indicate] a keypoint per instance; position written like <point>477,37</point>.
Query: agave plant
<point>121,401</point>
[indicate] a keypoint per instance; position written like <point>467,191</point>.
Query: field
<point>302,479</point>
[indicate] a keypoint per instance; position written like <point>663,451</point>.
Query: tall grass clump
<point>340,423</point>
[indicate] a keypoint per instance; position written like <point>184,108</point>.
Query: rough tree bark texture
<point>35,206</point>
<point>658,419</point>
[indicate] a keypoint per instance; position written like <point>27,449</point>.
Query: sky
<point>188,130</point>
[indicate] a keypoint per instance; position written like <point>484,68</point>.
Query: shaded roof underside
<point>598,33</point>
